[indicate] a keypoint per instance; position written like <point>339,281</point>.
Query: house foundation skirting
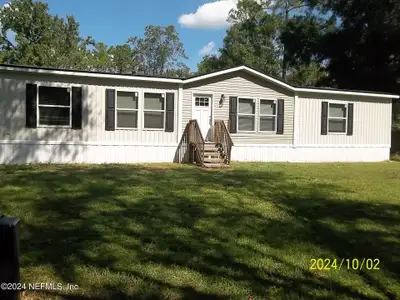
<point>311,153</point>
<point>23,152</point>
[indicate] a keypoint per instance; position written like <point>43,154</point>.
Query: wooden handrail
<point>223,138</point>
<point>191,146</point>
<point>183,151</point>
<point>196,141</point>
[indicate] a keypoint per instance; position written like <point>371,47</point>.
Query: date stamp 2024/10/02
<point>355,264</point>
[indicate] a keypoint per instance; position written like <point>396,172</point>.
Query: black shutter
<point>31,103</point>
<point>76,107</point>
<point>169,118</point>
<point>233,114</point>
<point>350,119</point>
<point>281,116</point>
<point>110,110</point>
<point>324,118</point>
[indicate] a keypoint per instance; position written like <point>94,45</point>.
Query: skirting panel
<point>309,154</point>
<point>40,152</point>
<point>23,153</point>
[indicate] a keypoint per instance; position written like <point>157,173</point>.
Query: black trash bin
<point>9,256</point>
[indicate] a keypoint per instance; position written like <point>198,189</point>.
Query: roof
<point>55,71</point>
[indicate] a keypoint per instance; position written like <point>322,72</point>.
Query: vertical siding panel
<point>371,121</point>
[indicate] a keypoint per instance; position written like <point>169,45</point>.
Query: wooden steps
<point>212,156</point>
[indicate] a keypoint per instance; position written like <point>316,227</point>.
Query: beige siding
<point>372,121</point>
<point>241,84</point>
<point>12,111</point>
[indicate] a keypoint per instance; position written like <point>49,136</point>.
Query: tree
<point>251,40</point>
<point>40,39</point>
<point>363,51</point>
<point>101,58</point>
<point>123,59</point>
<point>159,50</point>
<point>181,71</point>
<point>284,8</point>
<point>210,63</point>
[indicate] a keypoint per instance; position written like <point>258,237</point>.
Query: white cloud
<point>209,15</point>
<point>207,49</point>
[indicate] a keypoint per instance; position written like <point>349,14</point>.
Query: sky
<point>201,24</point>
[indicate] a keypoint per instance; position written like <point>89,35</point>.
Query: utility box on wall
<point>9,257</point>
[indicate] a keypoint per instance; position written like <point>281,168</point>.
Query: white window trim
<point>239,114</point>
<point>54,85</point>
<point>263,115</point>
<point>164,94</point>
<point>338,118</point>
<point>126,109</point>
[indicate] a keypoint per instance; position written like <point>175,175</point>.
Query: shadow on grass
<point>395,156</point>
<point>145,232</point>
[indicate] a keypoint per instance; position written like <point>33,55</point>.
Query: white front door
<point>202,113</point>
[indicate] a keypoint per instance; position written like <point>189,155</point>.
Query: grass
<point>395,156</point>
<point>180,232</point>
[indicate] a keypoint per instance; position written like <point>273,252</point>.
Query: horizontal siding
<point>12,110</point>
<point>372,121</point>
<point>241,84</point>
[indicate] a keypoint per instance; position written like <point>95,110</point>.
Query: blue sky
<point>201,24</point>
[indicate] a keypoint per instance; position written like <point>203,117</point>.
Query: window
<point>267,115</point>
<point>54,106</point>
<point>337,118</point>
<point>154,110</point>
<point>246,114</point>
<point>127,109</point>
<point>202,101</point>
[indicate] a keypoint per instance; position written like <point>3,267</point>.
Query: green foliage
<point>269,42</point>
<point>251,40</point>
<point>159,50</point>
<point>176,231</point>
<point>42,39</point>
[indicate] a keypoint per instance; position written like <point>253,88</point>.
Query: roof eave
<point>322,91</point>
<point>240,68</point>
<point>195,79</point>
<point>91,75</point>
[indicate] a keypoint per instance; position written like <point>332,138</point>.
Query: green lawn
<point>181,232</point>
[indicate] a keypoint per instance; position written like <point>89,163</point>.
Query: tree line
<point>353,44</point>
<point>30,35</point>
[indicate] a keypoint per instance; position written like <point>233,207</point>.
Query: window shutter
<point>324,118</point>
<point>169,118</point>
<point>281,116</point>
<point>31,103</point>
<point>76,107</point>
<point>350,119</point>
<point>110,110</point>
<point>233,114</point>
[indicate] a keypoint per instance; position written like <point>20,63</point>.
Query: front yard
<point>180,232</point>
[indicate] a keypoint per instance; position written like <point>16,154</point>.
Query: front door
<point>202,113</point>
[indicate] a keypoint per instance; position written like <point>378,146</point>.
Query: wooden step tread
<point>211,151</point>
<point>213,160</point>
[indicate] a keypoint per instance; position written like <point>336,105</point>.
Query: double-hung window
<point>54,106</point>
<point>337,118</point>
<point>267,115</point>
<point>154,111</point>
<point>246,114</point>
<point>127,109</point>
